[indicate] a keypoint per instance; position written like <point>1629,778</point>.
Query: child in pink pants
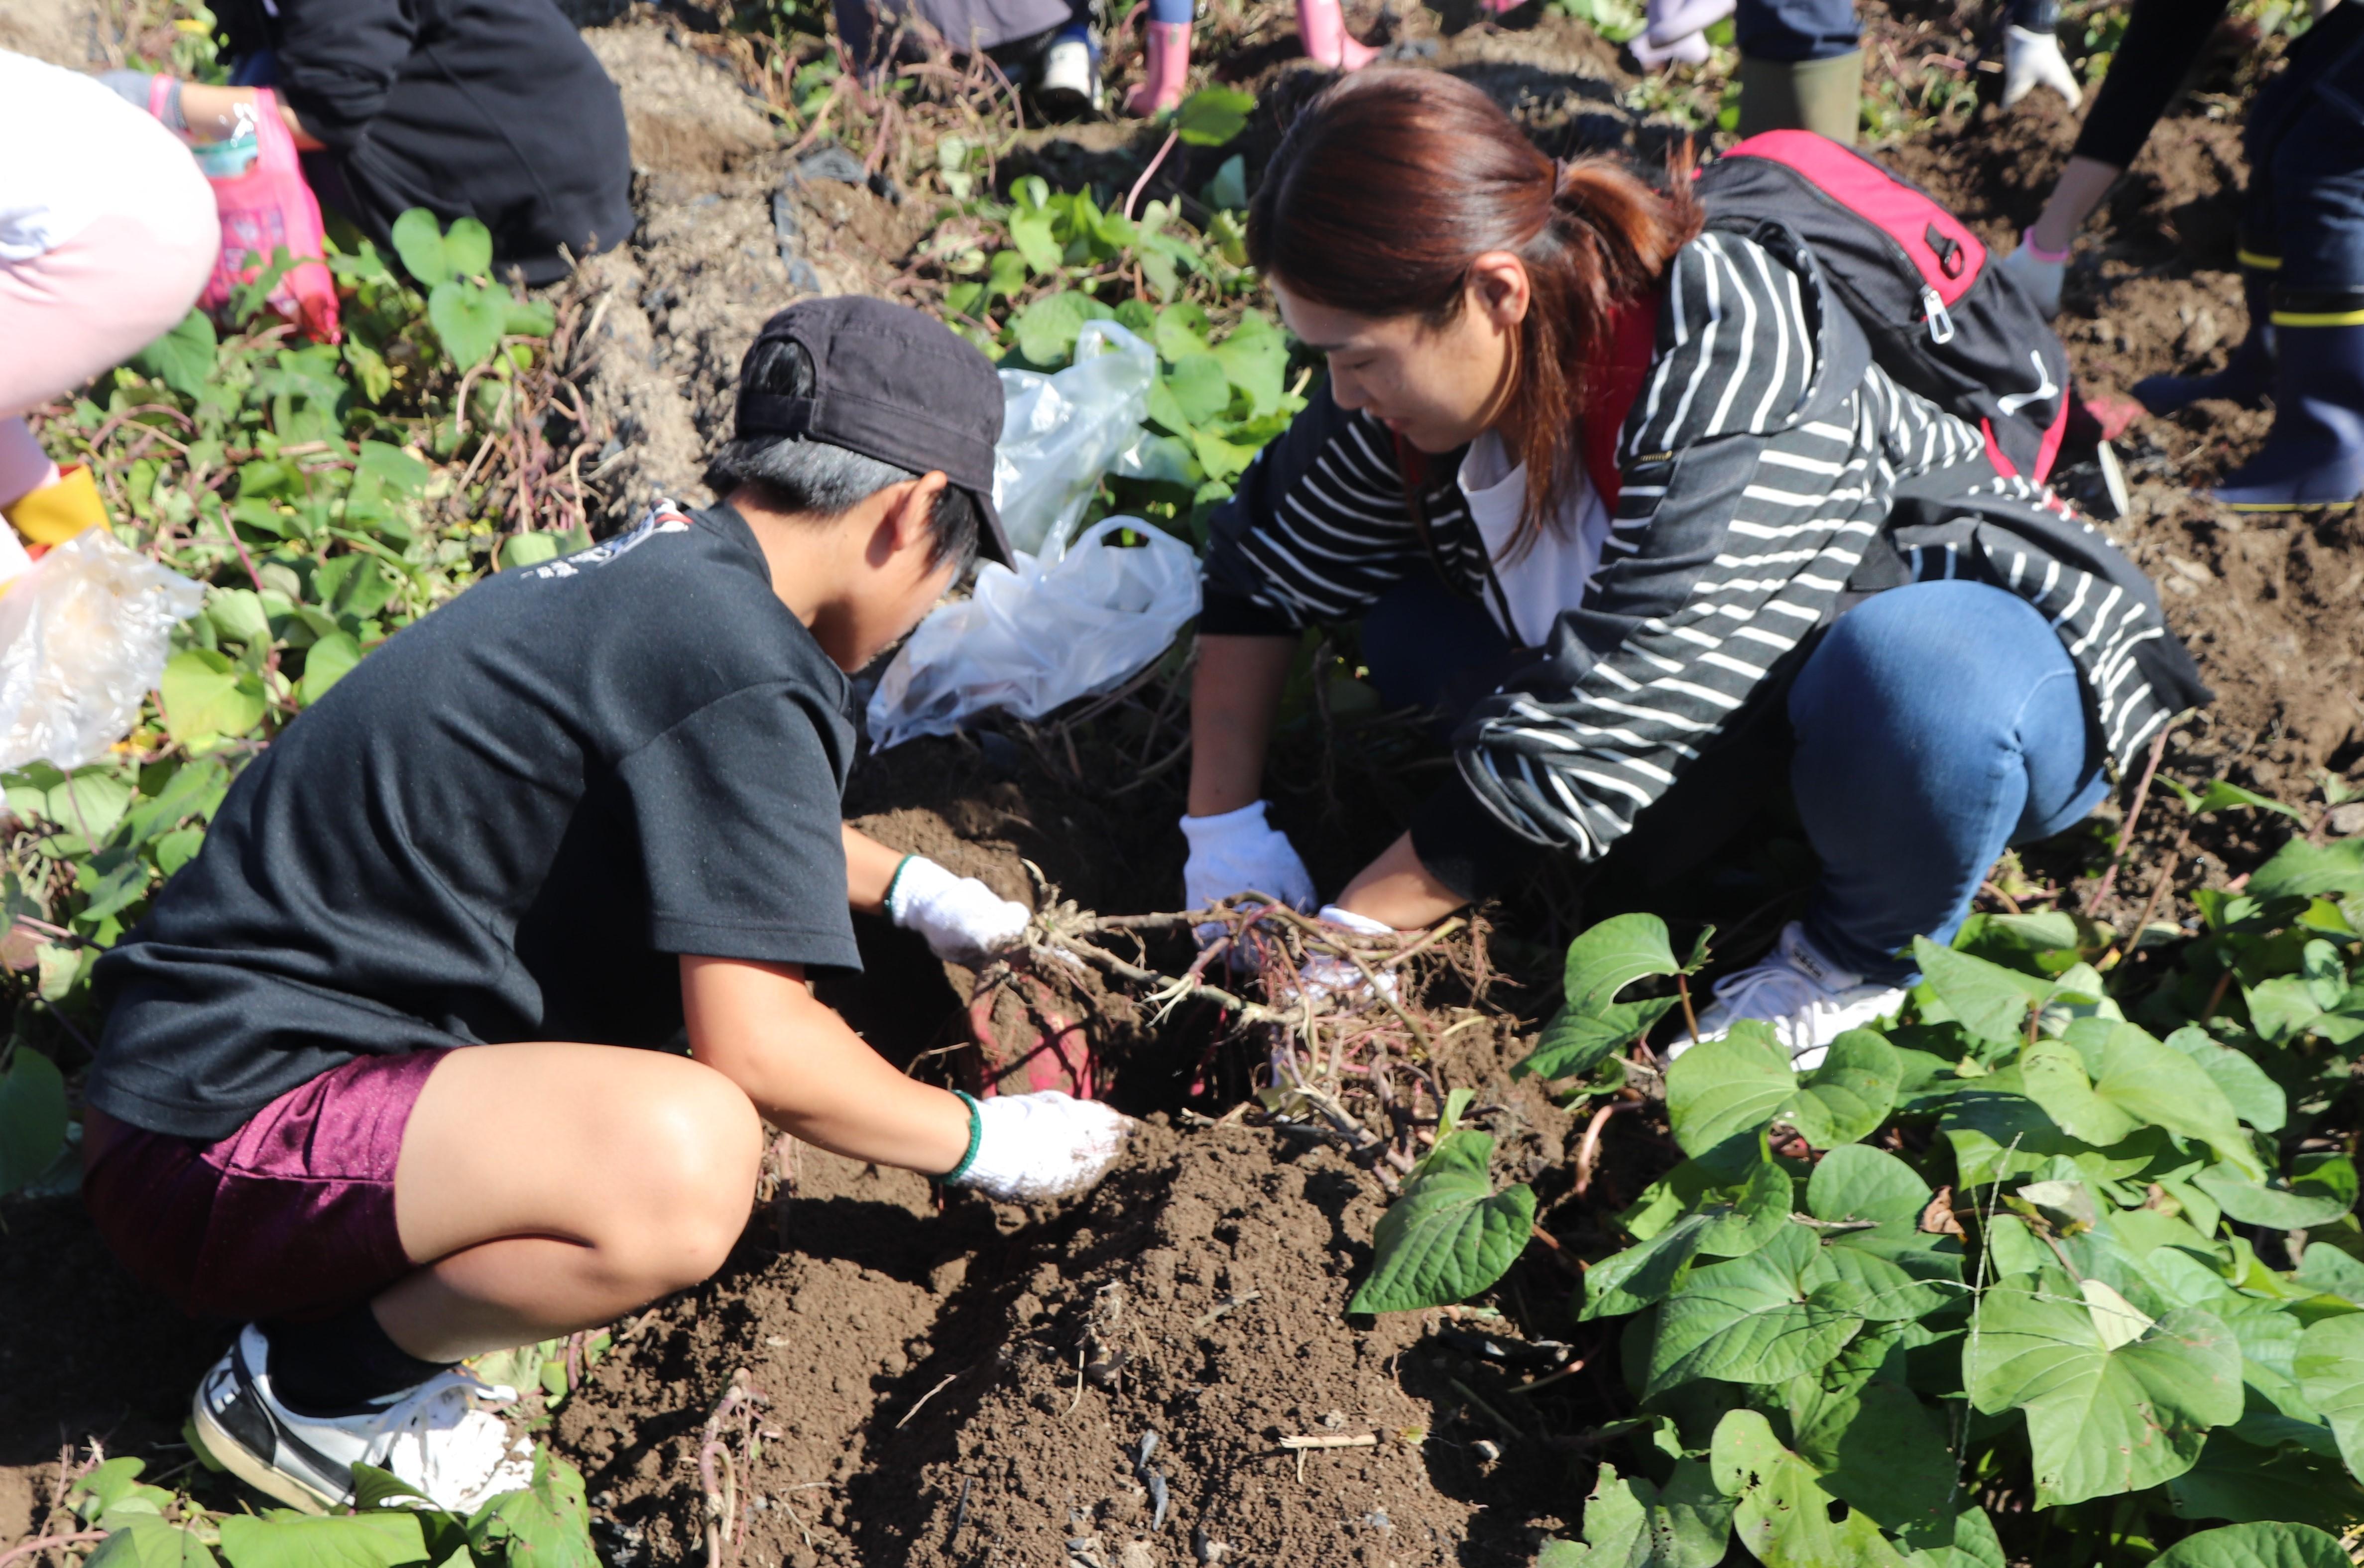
<point>108,231</point>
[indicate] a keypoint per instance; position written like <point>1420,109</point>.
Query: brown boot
<point>1824,96</point>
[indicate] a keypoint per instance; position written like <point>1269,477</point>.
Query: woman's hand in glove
<point>1031,1148</point>
<point>962,918</point>
<point>1324,976</point>
<point>2038,276</point>
<point>1238,852</point>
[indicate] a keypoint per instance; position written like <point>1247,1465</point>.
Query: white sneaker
<point>1809,1001</point>
<point>431,1436</point>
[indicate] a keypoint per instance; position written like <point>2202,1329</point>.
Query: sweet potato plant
<point>2036,1272</point>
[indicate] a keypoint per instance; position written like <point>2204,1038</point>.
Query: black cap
<point>892,384</point>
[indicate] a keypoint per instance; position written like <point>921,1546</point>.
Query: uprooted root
<point>1349,1041</point>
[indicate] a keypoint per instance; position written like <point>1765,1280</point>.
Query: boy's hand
<point>1031,1148</point>
<point>962,918</point>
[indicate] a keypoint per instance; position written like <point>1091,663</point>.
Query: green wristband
<point>976,1137</point>
<point>887,901</point>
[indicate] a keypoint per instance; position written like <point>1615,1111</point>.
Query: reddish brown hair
<point>1392,183</point>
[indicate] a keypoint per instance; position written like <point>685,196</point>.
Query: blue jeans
<point>1935,725</point>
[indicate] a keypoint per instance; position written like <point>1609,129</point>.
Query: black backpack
<point>1941,320</point>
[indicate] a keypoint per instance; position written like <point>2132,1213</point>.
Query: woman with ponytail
<point>1623,498</point>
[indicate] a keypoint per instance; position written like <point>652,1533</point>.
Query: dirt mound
<point>977,1387</point>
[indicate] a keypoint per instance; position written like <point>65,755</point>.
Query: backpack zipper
<point>1932,305</point>
<point>1941,326</point>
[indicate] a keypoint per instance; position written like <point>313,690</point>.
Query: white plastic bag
<point>1045,634</point>
<point>84,635</point>
<point>1061,432</point>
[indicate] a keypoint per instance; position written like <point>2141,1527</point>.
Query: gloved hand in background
<point>1238,852</point>
<point>963,919</point>
<point>2031,60</point>
<point>1324,976</point>
<point>1031,1148</point>
<point>2039,274</point>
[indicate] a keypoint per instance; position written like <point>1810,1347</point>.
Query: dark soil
<point>920,1358</point>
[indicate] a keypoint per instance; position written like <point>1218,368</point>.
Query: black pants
<point>2302,218</point>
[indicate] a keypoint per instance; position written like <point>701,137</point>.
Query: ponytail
<point>1391,183</point>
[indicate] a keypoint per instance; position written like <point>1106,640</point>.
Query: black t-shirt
<point>503,825</point>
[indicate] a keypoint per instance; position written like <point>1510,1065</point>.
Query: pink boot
<point>1322,25</point>
<point>1163,71</point>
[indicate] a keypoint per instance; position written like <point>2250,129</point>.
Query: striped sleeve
<point>1319,528</point>
<point>1749,494</point>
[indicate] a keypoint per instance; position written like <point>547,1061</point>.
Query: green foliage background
<point>2034,1272</point>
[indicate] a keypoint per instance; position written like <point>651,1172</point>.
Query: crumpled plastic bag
<point>1061,432</point>
<point>83,637</point>
<point>1029,639</point>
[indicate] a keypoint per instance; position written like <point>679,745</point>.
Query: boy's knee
<point>699,1155</point>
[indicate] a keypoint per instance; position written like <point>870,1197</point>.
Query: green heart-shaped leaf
<point>32,1117</point>
<point>205,697</point>
<point>1450,1236</point>
<point>419,240</point>
<point>1777,1314</point>
<point>2256,1546</point>
<point>1724,1089</point>
<point>2102,1418</point>
<point>1849,1094</point>
<point>468,317</point>
<point>1782,1514</point>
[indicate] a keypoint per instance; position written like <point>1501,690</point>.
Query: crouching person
<point>1628,502</point>
<point>578,812</point>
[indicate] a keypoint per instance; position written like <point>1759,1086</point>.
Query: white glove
<point>2039,279</point>
<point>2033,59</point>
<point>1324,976</point>
<point>962,918</point>
<point>1238,852</point>
<point>1045,1145</point>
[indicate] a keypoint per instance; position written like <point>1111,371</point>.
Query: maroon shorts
<point>292,1216</point>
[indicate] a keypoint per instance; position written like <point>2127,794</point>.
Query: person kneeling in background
<point>107,234</point>
<point>491,109</point>
<point>585,807</point>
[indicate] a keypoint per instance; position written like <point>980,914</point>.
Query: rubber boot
<point>2314,454</point>
<point>2248,376</point>
<point>1322,24</point>
<point>1163,68</point>
<point>1824,96</point>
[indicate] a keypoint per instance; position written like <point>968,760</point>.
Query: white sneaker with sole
<point>1808,1000</point>
<point>431,1436</point>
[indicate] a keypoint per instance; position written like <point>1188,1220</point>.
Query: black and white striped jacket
<point>1772,474</point>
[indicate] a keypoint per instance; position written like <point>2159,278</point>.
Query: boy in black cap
<point>580,807</point>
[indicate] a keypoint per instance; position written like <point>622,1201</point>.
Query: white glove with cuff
<point>1025,1148</point>
<point>2038,278</point>
<point>962,918</point>
<point>1238,852</point>
<point>2033,59</point>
